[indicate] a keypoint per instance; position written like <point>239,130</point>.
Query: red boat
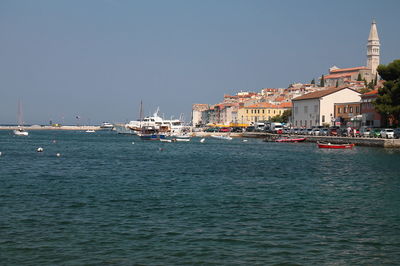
<point>335,146</point>
<point>290,140</point>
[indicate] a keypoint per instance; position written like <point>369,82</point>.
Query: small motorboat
<point>290,140</point>
<point>221,137</point>
<point>335,146</point>
<point>90,131</point>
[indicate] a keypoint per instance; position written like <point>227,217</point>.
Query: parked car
<point>387,133</point>
<point>396,133</point>
<point>212,129</point>
<point>295,130</point>
<point>237,129</point>
<point>225,129</point>
<point>365,132</point>
<point>315,131</point>
<point>375,133</point>
<point>333,131</point>
<point>324,132</point>
<point>250,129</point>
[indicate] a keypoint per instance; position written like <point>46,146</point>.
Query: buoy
<point>54,141</point>
<point>202,140</point>
<point>40,149</point>
<point>58,154</point>
<point>245,140</point>
<point>133,142</point>
<point>0,153</point>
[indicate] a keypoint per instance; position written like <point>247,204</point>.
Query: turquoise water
<point>109,201</point>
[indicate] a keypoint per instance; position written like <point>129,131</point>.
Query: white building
<point>317,108</point>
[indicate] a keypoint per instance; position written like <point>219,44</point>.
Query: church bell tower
<point>373,47</point>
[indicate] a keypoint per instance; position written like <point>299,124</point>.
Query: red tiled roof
<point>269,105</point>
<point>286,105</point>
<point>319,94</point>
<point>352,69</point>
<point>371,92</point>
<point>335,76</point>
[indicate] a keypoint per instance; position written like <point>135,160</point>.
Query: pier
<point>359,141</point>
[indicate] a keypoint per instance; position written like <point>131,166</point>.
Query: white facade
<point>316,111</point>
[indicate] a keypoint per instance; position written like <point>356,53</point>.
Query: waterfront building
<point>370,117</point>
<point>317,108</point>
<point>348,114</point>
<point>260,112</point>
<point>199,116</point>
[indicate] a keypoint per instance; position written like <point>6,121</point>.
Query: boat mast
<point>19,118</point>
<point>141,113</point>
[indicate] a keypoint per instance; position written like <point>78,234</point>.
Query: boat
<point>150,133</point>
<point>90,131</point>
<point>290,140</point>
<point>335,145</point>
<point>20,130</point>
<point>181,139</point>
<point>221,137</point>
<point>106,125</point>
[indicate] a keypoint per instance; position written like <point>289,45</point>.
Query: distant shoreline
<point>53,128</point>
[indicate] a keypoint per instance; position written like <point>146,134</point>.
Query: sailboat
<point>20,130</point>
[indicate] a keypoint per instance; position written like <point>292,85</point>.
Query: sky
<point>98,59</point>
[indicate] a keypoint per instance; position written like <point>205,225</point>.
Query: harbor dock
<point>359,141</point>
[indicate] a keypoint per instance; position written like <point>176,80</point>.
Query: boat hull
<point>20,133</point>
<point>335,146</point>
<point>152,136</point>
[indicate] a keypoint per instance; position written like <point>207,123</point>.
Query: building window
<point>296,110</point>
<point>345,110</point>
<point>357,109</point>
<point>305,109</point>
<point>305,123</point>
<point>263,110</point>
<point>323,119</point>
<point>351,109</point>
<point>315,108</point>
<point>247,111</point>
<point>301,123</point>
<point>269,111</point>
<point>274,111</point>
<point>338,110</point>
<point>296,123</point>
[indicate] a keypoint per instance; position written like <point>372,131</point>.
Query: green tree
<point>283,118</point>
<point>322,83</point>
<point>376,79</point>
<point>337,83</point>
<point>359,77</point>
<point>313,81</point>
<point>387,102</point>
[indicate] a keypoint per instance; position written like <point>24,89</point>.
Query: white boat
<point>182,140</point>
<point>90,131</point>
<point>20,130</point>
<point>106,125</point>
<point>221,137</point>
<point>172,126</point>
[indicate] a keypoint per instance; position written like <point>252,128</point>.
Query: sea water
<point>110,199</point>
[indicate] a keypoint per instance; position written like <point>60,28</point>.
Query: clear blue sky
<point>100,58</point>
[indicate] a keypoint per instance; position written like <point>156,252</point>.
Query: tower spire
<point>373,49</point>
